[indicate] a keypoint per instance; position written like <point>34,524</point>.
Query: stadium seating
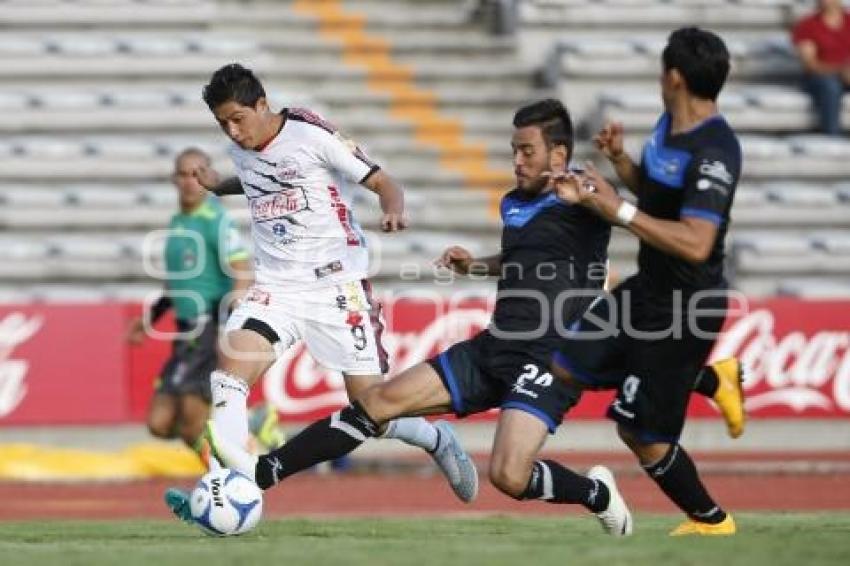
<point>96,97</point>
<point>761,109</point>
<point>37,13</point>
<point>631,14</point>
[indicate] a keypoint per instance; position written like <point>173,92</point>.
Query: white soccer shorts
<point>340,325</point>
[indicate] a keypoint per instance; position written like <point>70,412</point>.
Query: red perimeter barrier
<point>63,364</point>
<point>70,364</point>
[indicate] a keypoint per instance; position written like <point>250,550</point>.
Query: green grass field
<point>764,539</point>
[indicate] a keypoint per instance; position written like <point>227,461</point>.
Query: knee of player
<point>379,404</point>
<point>509,479</point>
<point>160,427</point>
<point>244,371</point>
<point>647,453</point>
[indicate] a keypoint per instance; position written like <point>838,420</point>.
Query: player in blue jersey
<point>660,325</point>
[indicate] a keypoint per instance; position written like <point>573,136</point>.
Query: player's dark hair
<point>702,59</point>
<point>233,83</point>
<point>552,118</point>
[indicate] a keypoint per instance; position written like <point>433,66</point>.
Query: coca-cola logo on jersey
<point>796,370</point>
<point>279,205</point>
<point>297,385</point>
<point>15,329</point>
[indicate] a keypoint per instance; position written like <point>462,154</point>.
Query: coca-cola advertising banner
<point>63,364</point>
<point>798,356</point>
<point>70,364</point>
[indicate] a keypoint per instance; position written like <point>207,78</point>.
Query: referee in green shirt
<point>205,261</point>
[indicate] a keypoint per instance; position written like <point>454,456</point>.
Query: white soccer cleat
<point>455,464</point>
<point>230,454</point>
<point>616,519</point>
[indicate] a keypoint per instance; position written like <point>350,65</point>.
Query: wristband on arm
<point>626,213</point>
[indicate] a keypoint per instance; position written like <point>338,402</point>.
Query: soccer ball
<point>225,502</point>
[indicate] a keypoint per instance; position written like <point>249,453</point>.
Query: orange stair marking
<point>407,101</point>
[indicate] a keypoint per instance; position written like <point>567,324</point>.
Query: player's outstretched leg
<point>327,439</point>
<point>722,381</point>
<point>419,389</point>
<point>413,391</point>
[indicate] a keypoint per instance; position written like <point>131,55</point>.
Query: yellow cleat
<point>264,426</point>
<point>725,527</point>
<point>729,396</point>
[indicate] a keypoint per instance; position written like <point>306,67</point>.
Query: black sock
<point>677,477</point>
<point>706,382</point>
<point>552,482</point>
<point>323,440</point>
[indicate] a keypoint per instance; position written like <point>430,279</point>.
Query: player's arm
<point>391,199</point>
<point>136,328</point>
<point>690,238</point>
<point>344,156</point>
<point>230,186</point>
<point>609,141</point>
<point>460,261</point>
<point>210,180</point>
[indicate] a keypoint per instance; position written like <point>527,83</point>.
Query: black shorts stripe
<point>262,329</point>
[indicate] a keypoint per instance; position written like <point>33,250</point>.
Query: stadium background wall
<point>69,364</point>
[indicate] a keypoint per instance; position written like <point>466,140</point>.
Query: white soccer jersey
<point>299,192</point>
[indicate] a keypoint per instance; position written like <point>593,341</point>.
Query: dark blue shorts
<point>653,376</point>
<point>484,373</point>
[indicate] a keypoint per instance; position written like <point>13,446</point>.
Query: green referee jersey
<point>199,246</point>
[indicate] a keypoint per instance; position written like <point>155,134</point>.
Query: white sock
<point>230,407</point>
<point>415,431</point>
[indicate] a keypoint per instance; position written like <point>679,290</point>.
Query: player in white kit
<point>311,263</point>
